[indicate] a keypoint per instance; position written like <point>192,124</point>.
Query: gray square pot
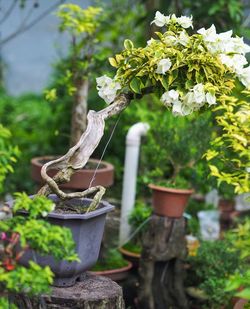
<point>87,231</point>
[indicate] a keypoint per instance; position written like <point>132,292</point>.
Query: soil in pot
<point>104,175</point>
<point>87,231</point>
<point>170,202</point>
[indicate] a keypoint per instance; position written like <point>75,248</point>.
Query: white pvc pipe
<point>133,141</point>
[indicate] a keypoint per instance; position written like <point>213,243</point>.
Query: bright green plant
<point>229,156</point>
<point>238,283</point>
<point>8,155</point>
<point>30,231</point>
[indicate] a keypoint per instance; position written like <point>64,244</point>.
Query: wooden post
<point>161,266</point>
<point>94,292</point>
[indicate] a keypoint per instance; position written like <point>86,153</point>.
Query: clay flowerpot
<point>87,231</point>
<point>130,256</point>
<point>169,202</point>
<point>240,304</point>
<point>81,179</point>
<point>117,274</point>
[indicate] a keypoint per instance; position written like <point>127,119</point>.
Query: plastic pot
<point>169,202</point>
<point>87,231</point>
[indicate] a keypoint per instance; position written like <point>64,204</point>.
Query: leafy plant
<point>113,260</point>
<point>8,155</point>
<point>238,283</point>
<point>137,219</point>
<point>210,270</point>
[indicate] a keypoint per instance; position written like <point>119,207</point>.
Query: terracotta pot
<point>240,304</point>
<point>169,202</point>
<point>117,274</point>
<point>81,179</point>
<point>133,257</point>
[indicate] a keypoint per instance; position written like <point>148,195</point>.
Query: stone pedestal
<point>161,265</point>
<point>94,292</point>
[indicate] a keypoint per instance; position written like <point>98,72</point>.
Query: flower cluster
<point>162,20</point>
<point>107,88</point>
<point>193,100</point>
<point>230,50</point>
<point>188,71</point>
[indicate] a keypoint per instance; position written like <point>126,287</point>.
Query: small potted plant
<point>112,265</point>
<point>171,170</point>
<point>137,220</point>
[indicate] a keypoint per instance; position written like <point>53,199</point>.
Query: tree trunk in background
<point>79,112</point>
<point>161,267</point>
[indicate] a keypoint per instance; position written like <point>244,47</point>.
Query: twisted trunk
<point>78,155</point>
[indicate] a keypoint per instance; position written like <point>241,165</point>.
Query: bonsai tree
<point>188,72</point>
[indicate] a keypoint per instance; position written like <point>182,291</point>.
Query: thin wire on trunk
<point>104,150</point>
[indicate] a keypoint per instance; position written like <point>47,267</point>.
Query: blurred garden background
<point>44,61</point>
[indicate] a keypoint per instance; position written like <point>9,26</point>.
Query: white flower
<point>107,88</point>
<point>237,45</point>
<point>177,108</point>
<point>208,35</point>
<point>170,40</point>
<point>188,99</point>
<point>160,19</point>
<point>210,98</point>
<point>234,62</point>
<point>244,77</point>
<point>169,97</point>
<point>183,38</point>
<point>163,66</point>
<point>199,94</point>
<point>185,21</point>
<point>150,41</point>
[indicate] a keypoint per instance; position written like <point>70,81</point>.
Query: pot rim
<point>170,190</point>
<point>113,271</point>
<point>106,207</point>
<point>129,253</point>
<point>107,166</point>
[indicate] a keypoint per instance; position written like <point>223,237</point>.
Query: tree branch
<point>78,155</point>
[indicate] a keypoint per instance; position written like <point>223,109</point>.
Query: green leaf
<point>128,44</point>
<point>135,85</point>
<point>113,62</point>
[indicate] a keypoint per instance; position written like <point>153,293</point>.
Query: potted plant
<point>137,220</point>
<point>180,144</point>
<point>112,265</point>
<point>188,77</point>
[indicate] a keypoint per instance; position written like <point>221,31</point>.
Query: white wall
<point>29,56</point>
